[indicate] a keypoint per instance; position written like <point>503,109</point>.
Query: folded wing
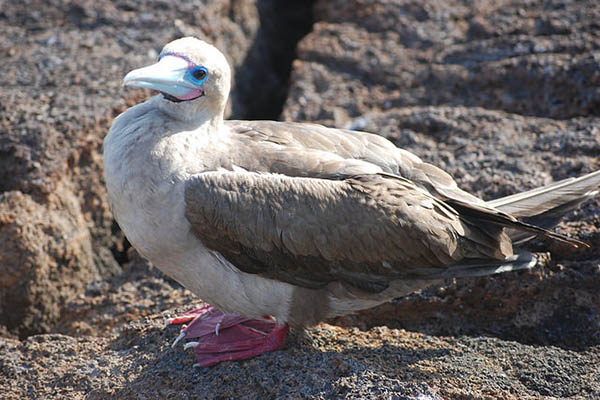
<point>364,230</point>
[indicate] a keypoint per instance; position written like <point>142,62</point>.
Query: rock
<point>343,363</point>
<point>46,258</point>
<point>364,55</point>
<point>502,95</point>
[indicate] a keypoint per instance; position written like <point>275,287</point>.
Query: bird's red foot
<point>225,337</point>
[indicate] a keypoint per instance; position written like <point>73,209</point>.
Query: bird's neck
<point>191,113</point>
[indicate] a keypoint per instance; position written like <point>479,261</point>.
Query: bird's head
<point>193,77</point>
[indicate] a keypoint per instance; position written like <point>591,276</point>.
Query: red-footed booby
<point>277,223</point>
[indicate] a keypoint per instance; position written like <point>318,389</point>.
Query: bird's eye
<point>199,73</point>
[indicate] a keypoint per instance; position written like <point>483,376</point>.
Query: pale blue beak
<point>166,76</point>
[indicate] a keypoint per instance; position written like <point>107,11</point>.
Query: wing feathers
<point>348,206</point>
<point>363,230</point>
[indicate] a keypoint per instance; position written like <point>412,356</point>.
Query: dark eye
<point>199,73</point>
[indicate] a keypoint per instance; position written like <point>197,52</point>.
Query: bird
<point>278,224</point>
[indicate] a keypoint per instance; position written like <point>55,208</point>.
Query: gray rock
<point>381,363</point>
<point>533,58</point>
<point>503,95</point>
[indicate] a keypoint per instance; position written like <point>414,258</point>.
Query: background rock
<point>537,58</point>
<point>46,254</point>
<point>501,94</point>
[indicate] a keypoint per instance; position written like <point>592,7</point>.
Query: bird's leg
<point>224,337</point>
<point>300,337</point>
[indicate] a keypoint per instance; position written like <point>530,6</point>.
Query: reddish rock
<point>381,363</point>
<point>45,258</point>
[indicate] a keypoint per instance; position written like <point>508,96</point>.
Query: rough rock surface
<point>381,363</point>
<point>537,58</point>
<point>504,95</point>
<point>46,256</point>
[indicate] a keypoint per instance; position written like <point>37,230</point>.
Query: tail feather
<point>570,191</point>
<point>536,210</point>
<point>485,214</point>
<point>545,206</point>
<point>474,268</point>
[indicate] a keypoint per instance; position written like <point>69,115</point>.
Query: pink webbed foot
<point>225,337</point>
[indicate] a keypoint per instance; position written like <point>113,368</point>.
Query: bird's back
<point>312,150</point>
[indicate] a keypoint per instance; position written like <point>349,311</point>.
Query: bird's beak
<point>166,76</point>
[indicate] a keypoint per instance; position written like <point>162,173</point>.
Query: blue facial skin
<point>196,75</point>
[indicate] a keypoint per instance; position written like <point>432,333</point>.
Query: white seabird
<point>277,223</point>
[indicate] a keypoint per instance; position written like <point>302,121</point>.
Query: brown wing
<point>364,230</point>
<point>311,150</point>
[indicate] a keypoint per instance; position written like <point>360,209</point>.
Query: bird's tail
<point>546,205</point>
<point>473,268</point>
<point>542,207</point>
